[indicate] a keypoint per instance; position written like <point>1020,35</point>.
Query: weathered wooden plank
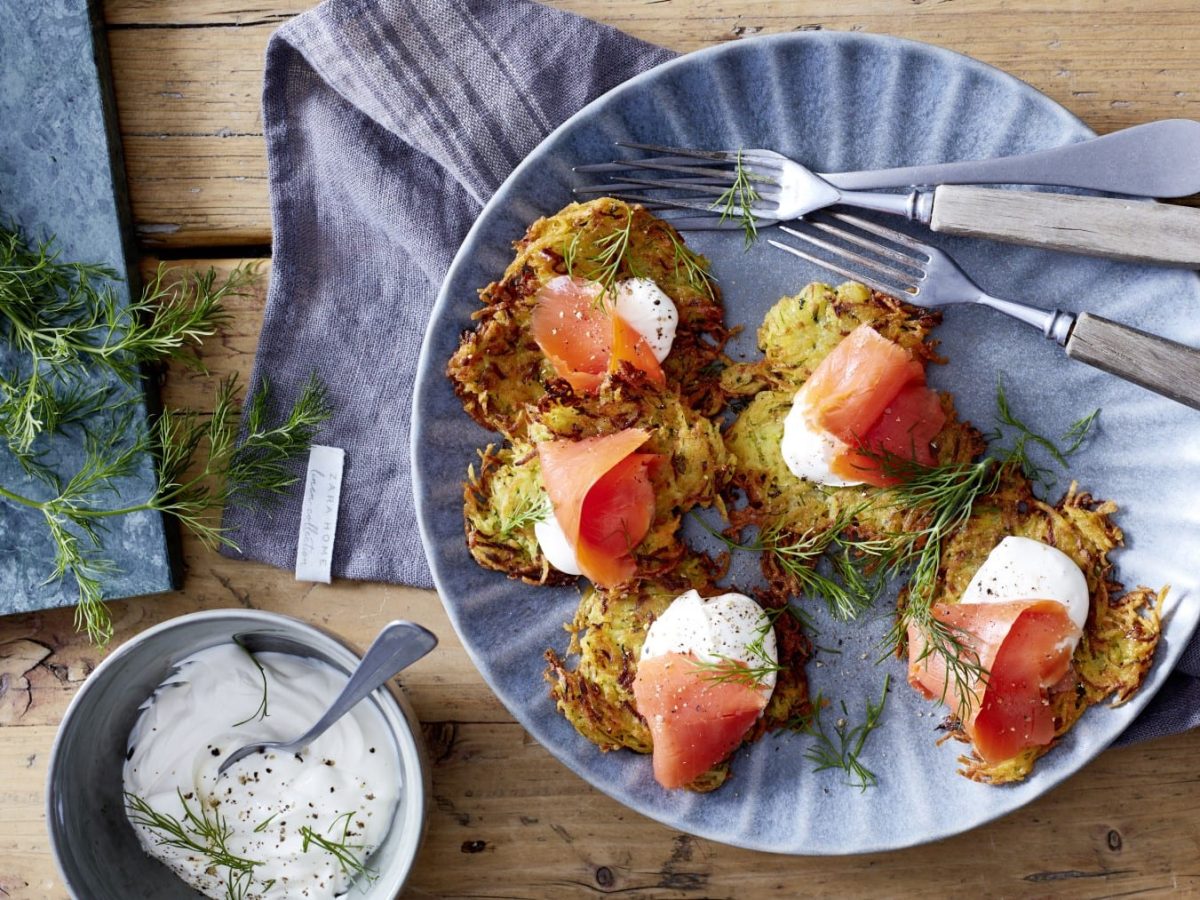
<point>507,820</point>
<point>198,190</point>
<point>189,95</point>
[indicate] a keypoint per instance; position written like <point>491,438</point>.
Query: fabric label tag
<point>318,515</point>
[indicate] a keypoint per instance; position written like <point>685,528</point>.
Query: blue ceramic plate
<point>836,101</point>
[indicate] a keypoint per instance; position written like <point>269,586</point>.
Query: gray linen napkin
<point>388,125</point>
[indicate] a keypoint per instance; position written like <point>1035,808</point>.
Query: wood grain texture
<point>506,819</point>
<point>1163,366</point>
<point>188,77</point>
<point>1094,226</point>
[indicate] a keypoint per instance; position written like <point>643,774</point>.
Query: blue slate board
<point>61,174</point>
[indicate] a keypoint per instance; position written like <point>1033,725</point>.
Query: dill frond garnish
<point>76,342</point>
<point>530,509</point>
<point>202,831</point>
<point>737,200</point>
<point>842,750</point>
<point>1023,437</point>
<point>848,592</point>
<point>261,712</point>
<point>611,255</point>
<point>1079,431</point>
<point>696,274</point>
<point>67,321</point>
<point>340,847</point>
<point>569,252</point>
<point>759,663</point>
<point>944,497</point>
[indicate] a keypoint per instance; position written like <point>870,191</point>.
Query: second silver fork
<point>897,264</point>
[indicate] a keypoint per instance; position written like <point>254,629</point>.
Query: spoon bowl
<point>399,645</point>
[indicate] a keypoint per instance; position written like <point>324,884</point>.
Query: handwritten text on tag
<point>318,515</point>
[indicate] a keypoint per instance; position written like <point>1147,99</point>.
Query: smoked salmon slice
<point>603,499</point>
<point>908,425</point>
<point>1025,648</point>
<point>870,393</point>
<point>584,338</point>
<point>695,719</point>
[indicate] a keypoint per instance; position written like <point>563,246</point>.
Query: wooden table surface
<point>506,819</point>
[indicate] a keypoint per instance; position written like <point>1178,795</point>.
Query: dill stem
<point>17,498</point>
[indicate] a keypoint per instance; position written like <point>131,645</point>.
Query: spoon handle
<point>400,644</point>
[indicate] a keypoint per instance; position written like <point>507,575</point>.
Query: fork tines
<point>873,271</point>
<point>678,156</point>
<point>681,178</point>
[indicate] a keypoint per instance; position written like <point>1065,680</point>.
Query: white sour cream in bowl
<point>274,825</point>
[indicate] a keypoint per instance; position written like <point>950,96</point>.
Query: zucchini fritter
<point>499,372</point>
<point>504,500</point>
<point>607,635</point>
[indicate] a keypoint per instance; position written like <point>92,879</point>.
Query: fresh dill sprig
<point>202,831</point>
<point>1024,436</point>
<point>570,251</point>
<point>846,594</point>
<point>759,664</point>
<point>943,496</point>
<point>255,471</point>
<point>611,255</point>
<point>340,847</point>
<point>532,507</point>
<point>737,200</point>
<point>687,261</point>
<point>799,556</point>
<point>1079,431</point>
<point>842,750</point>
<point>261,712</point>
<point>68,323</point>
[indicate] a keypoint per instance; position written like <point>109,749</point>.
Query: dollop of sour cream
<point>555,545</point>
<point>714,629</point>
<point>1020,568</point>
<point>809,449</point>
<point>650,312</point>
<point>343,787</point>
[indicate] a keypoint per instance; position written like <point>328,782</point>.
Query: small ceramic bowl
<point>94,845</point>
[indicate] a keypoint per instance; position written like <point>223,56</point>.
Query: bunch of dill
<point>75,351</point>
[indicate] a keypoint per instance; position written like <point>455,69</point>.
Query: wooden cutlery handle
<point>1162,366</point>
<point>1096,226</point>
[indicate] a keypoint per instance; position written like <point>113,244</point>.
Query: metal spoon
<point>398,646</point>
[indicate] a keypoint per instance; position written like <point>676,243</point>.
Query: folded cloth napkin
<point>388,125</point>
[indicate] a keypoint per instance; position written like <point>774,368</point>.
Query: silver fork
<point>730,189</point>
<point>904,267</point>
<point>775,187</point>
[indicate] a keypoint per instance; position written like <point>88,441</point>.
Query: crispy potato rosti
<point>796,335</point>
<point>1122,630</point>
<point>507,384</point>
<point>499,372</point>
<point>506,497</point>
<point>596,696</point>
